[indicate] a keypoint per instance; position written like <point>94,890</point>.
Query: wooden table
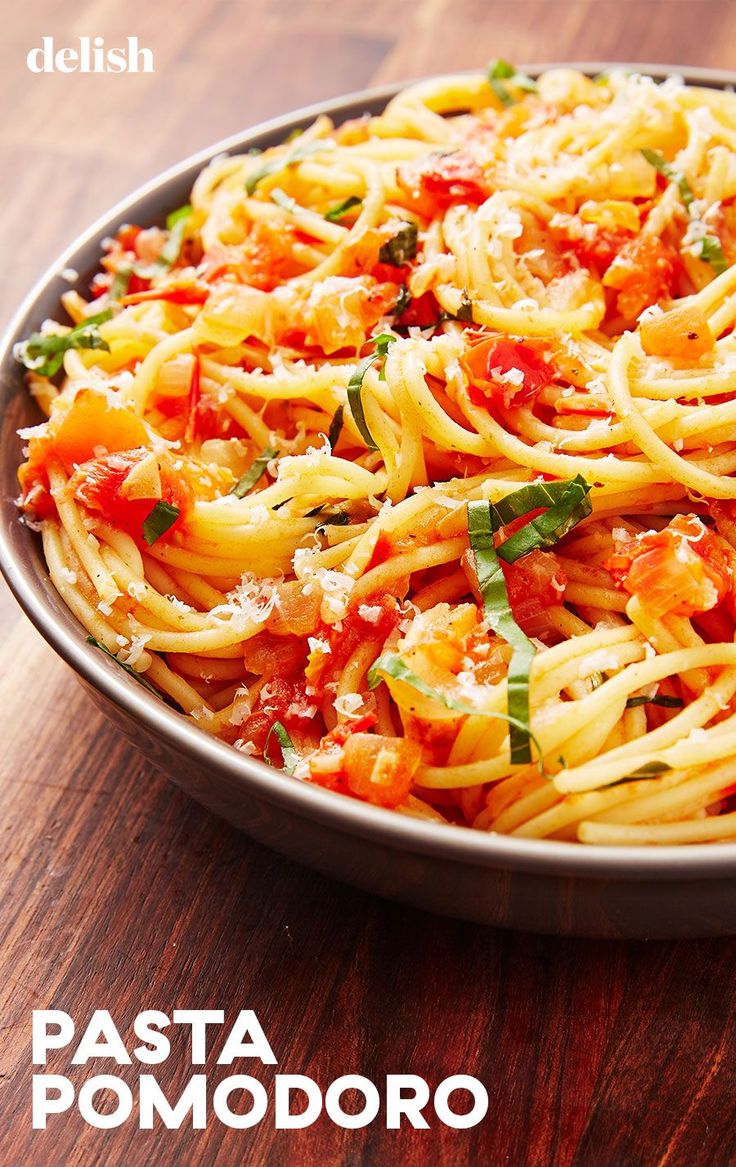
<point>119,893</point>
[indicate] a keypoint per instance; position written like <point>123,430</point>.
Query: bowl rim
<point>342,814</point>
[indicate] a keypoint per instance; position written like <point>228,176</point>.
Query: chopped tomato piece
<point>644,271</point>
<point>269,655</point>
<point>124,487</point>
<point>326,763</point>
<point>534,583</point>
<point>369,766</point>
<point>506,372</point>
<point>444,179</point>
<point>684,569</point>
<point>422,312</point>
<point>683,333</point>
<point>95,421</point>
<point>380,769</point>
<point>596,244</point>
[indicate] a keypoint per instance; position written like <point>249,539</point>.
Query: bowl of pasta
<point>376,473</point>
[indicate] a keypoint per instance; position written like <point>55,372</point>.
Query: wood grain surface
<point>119,893</point>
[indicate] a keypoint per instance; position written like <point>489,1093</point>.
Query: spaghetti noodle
<point>403,457</point>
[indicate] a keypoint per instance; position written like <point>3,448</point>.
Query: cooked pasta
<point>404,456</point>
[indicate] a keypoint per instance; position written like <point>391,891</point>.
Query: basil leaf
<point>174,216</point>
<point>334,517</point>
<point>710,246</point>
<point>712,252</point>
<point>655,159</point>
<point>392,664</point>
<point>571,506</point>
<point>500,71</point>
<point>355,384</point>
<point>171,249</point>
<point>53,346</point>
<point>157,523</point>
<point>289,755</point>
<point>254,473</point>
<point>465,311</point>
<point>648,770</point>
<point>528,498</point>
<point>120,283</point>
<point>497,610</point>
<point>401,248</point>
<point>403,301</point>
<point>333,434</point>
<point>336,213</point>
<point>659,699</point>
<point>128,668</point>
<point>274,165</point>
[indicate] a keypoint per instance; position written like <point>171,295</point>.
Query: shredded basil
<point>659,699</point>
<point>403,301</point>
<point>655,159</point>
<point>128,668</point>
<point>401,248</point>
<point>497,610</point>
<point>274,165</point>
<point>120,283</point>
<point>568,503</point>
<point>392,664</point>
<point>157,523</point>
<point>254,472</point>
<point>340,209</point>
<point>333,434</point>
<point>171,249</point>
<point>43,353</point>
<point>176,225</point>
<point>711,250</point>
<point>355,384</point>
<point>500,71</point>
<point>648,770</point>
<point>176,216</point>
<point>289,754</point>
<point>333,517</point>
<point>465,311</point>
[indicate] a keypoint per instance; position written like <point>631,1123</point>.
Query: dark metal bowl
<point>539,885</point>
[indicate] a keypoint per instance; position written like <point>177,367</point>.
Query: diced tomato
<point>380,617</point>
<point>596,247</point>
<point>92,421</point>
<point>387,273</point>
<point>373,768</point>
<point>506,372</point>
<point>422,312</point>
<point>645,271</point>
<point>263,261</point>
<point>99,484</point>
<point>534,583</point>
<point>443,179</point>
<point>380,769</point>
<point>269,655</point>
<point>281,699</point>
<point>683,333</point>
<point>684,569</point>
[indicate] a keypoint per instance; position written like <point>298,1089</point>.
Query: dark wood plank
<point>117,892</point>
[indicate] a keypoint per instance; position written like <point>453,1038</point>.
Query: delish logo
<point>91,57</point>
